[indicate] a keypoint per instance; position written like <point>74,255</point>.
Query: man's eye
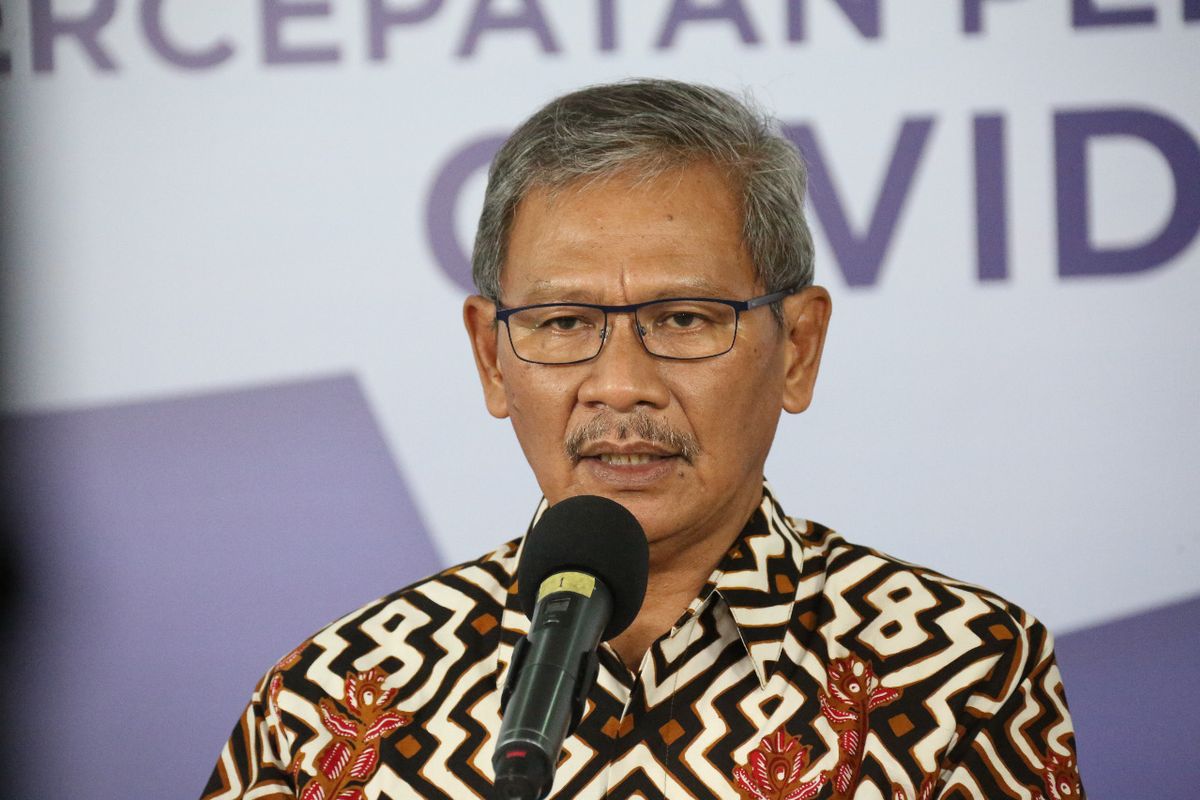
<point>563,323</point>
<point>684,319</point>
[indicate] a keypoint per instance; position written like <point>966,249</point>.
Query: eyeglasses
<point>679,328</point>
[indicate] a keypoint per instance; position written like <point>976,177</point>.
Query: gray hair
<point>646,127</point>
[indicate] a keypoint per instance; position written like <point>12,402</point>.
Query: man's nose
<point>624,376</point>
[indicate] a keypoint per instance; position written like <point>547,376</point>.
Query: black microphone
<point>581,579</point>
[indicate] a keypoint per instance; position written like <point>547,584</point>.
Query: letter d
<point>1072,130</point>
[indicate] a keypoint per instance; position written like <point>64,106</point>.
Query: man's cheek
<point>520,398</point>
<point>536,427</point>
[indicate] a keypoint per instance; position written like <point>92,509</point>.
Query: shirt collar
<point>756,581</point>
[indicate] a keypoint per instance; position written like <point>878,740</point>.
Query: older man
<point>646,312</point>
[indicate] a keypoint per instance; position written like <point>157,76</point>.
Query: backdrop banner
<point>242,402</point>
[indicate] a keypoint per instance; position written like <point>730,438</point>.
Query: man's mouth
<point>628,465</point>
<point>629,459</point>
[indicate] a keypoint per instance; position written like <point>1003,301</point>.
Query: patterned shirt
<point>807,667</point>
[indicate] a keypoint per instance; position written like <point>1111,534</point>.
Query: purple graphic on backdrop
<point>178,549</point>
<point>1072,132</point>
<point>1134,701</point>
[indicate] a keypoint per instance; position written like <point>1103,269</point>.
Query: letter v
<point>860,256</point>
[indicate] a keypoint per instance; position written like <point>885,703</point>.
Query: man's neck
<point>673,583</point>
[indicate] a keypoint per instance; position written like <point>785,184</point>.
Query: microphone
<point>582,578</point>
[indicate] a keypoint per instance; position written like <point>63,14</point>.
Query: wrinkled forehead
<point>676,233</point>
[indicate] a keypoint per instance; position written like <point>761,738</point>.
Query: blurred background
<point>238,400</point>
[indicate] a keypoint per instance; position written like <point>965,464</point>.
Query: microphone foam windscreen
<point>593,535</point>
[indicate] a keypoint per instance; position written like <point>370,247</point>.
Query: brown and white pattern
<point>806,668</point>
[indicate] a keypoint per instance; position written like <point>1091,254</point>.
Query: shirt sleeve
<point>254,762</point>
<point>1017,742</point>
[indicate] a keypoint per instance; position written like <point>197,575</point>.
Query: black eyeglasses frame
<point>738,306</point>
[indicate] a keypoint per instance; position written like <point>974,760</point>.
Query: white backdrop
<point>175,231</point>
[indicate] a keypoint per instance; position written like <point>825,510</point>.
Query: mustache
<point>606,424</point>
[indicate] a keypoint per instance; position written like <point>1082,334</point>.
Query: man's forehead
<point>586,288</point>
<point>620,240</point>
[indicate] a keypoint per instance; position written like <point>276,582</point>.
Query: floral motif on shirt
<point>775,769</point>
<point>272,717</point>
<point>358,725</point>
<point>1061,777</point>
<point>852,693</point>
<point>276,684</point>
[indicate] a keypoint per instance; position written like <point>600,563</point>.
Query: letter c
<point>443,197</point>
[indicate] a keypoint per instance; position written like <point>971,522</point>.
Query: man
<point>646,312</point>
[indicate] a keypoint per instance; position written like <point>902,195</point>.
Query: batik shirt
<point>807,667</point>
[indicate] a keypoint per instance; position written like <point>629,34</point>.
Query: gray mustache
<point>606,424</point>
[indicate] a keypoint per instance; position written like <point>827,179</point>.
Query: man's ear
<point>805,320</point>
<point>479,315</point>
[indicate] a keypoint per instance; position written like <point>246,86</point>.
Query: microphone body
<point>581,581</point>
<point>552,671</point>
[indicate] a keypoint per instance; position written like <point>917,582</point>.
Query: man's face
<point>679,443</point>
